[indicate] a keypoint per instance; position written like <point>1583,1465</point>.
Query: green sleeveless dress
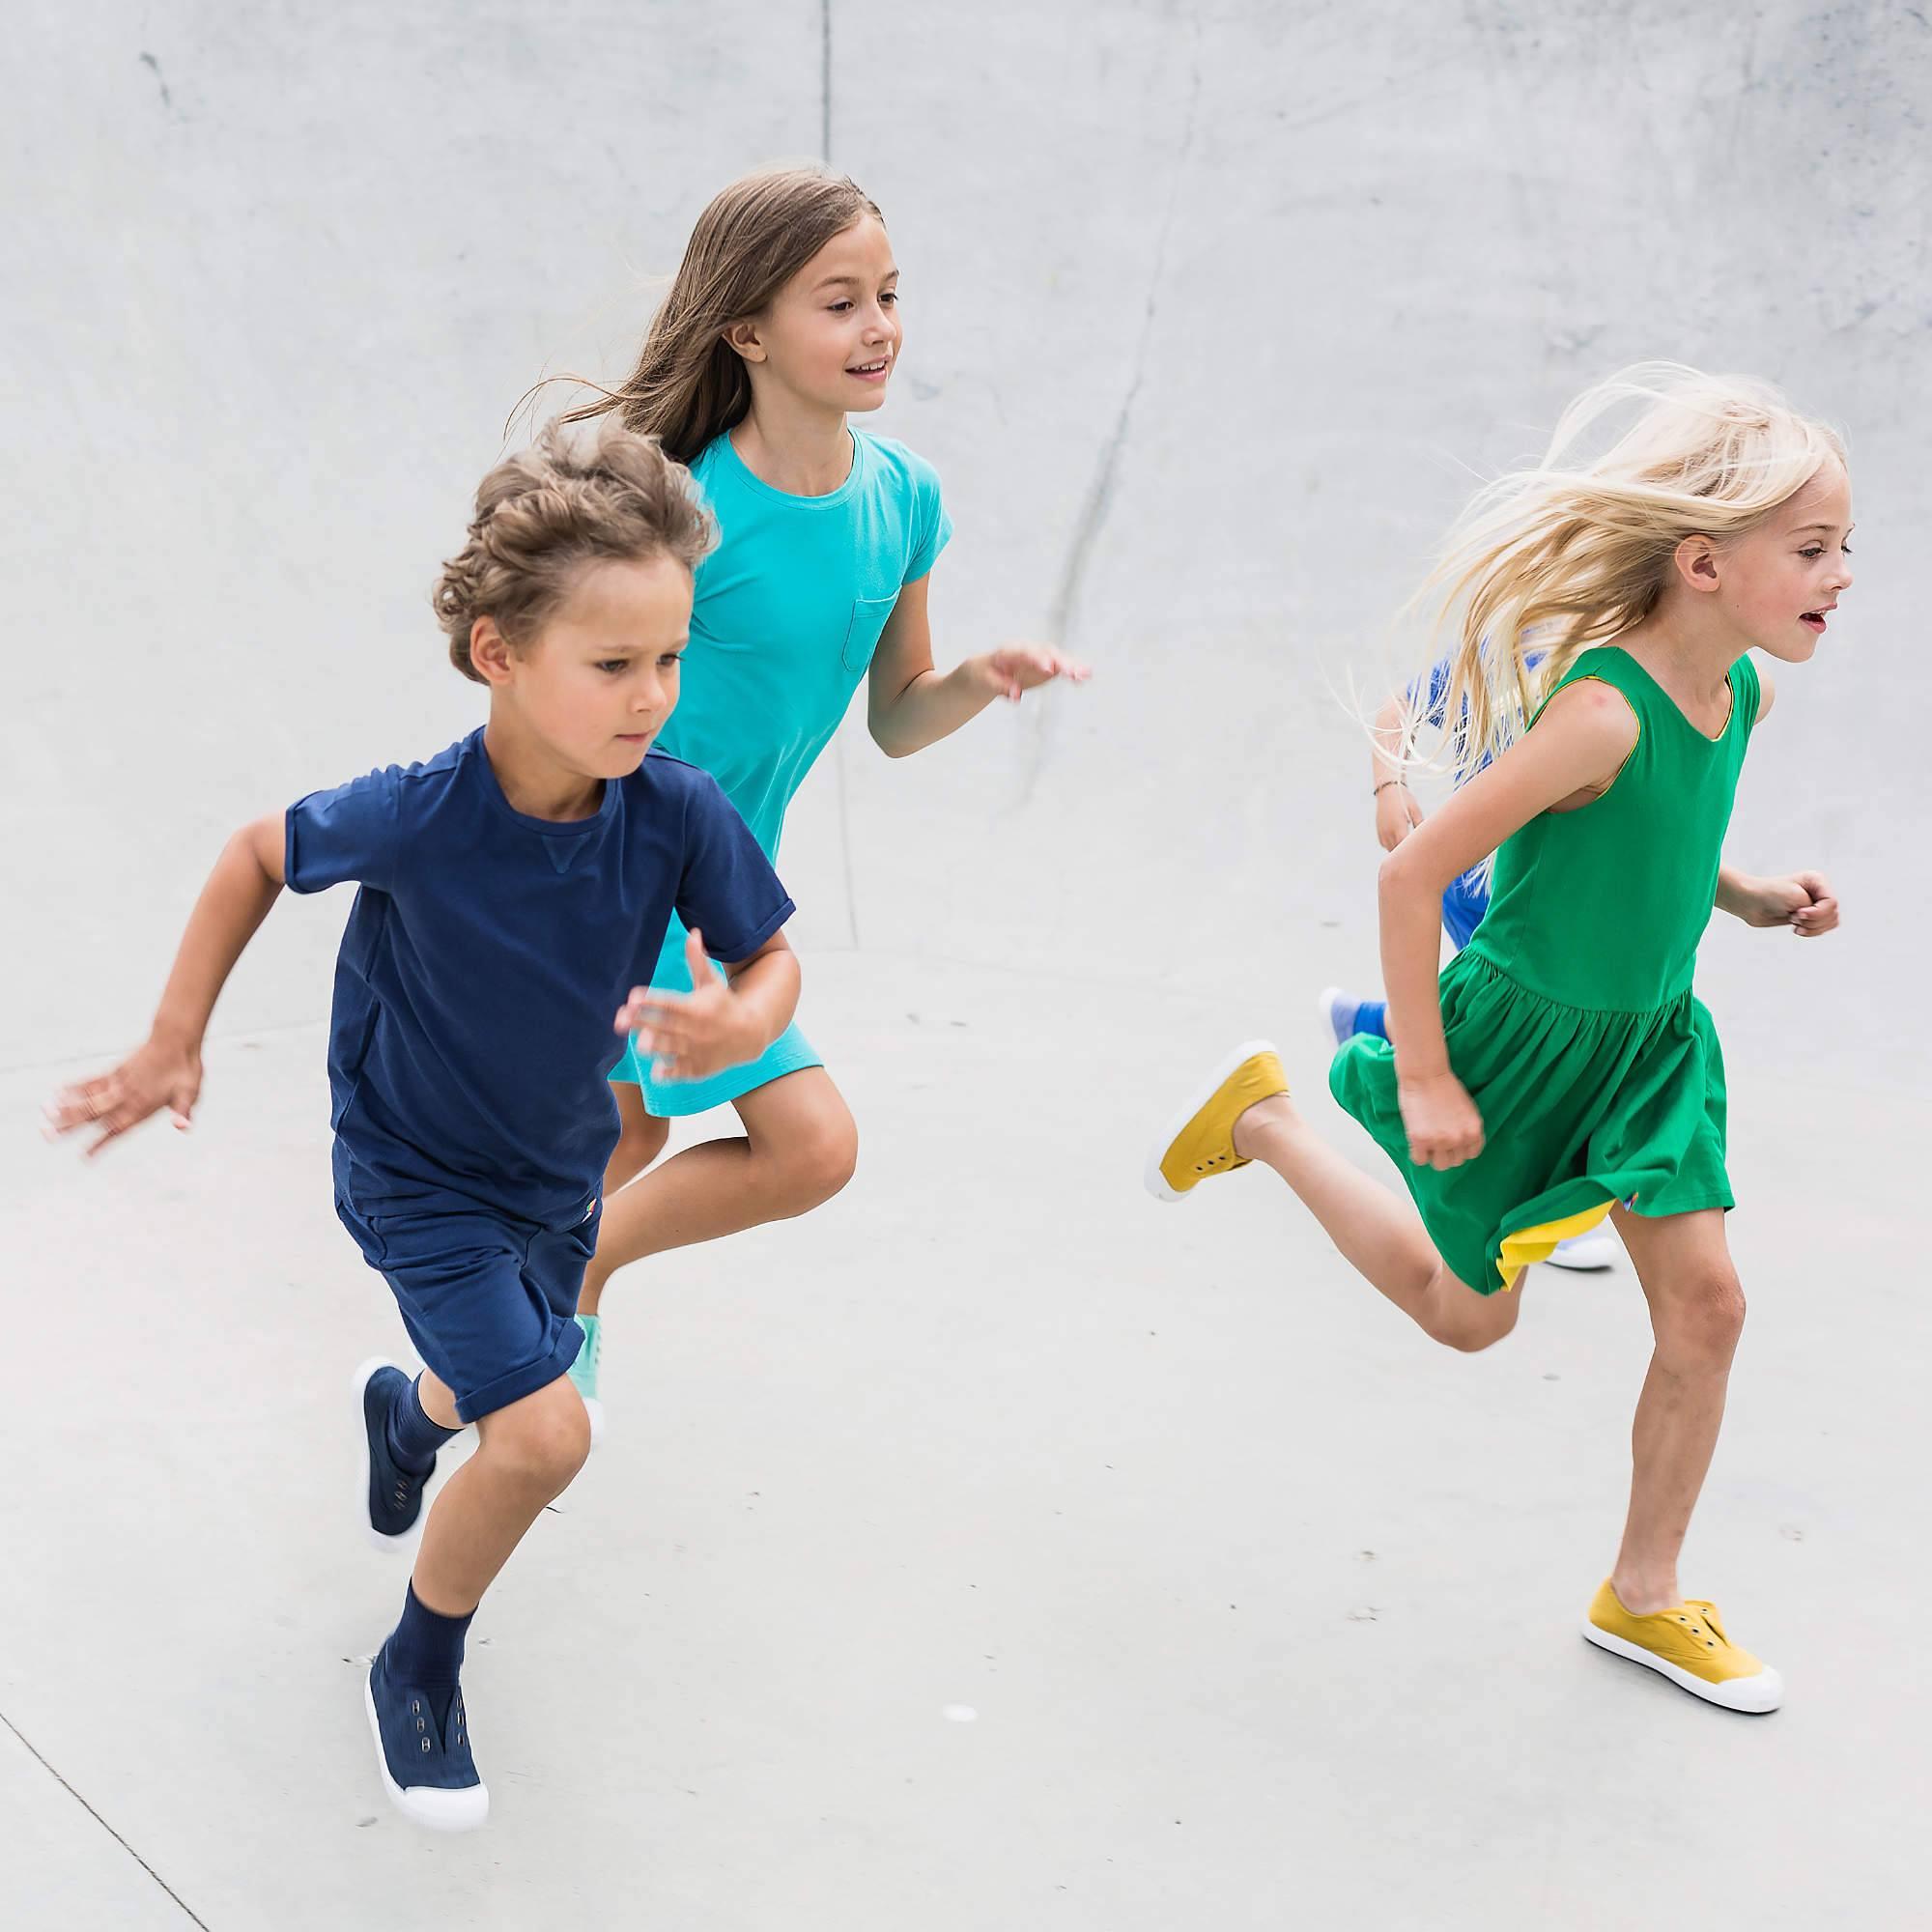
<point>1570,1016</point>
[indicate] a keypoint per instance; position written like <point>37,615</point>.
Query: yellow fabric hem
<point>1539,1243</point>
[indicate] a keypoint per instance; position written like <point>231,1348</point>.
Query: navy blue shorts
<point>489,1300</point>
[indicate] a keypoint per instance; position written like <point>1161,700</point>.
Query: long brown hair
<point>690,386</point>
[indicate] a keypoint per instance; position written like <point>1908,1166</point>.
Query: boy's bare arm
<point>166,1070</point>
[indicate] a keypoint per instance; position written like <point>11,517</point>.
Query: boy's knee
<point>546,1442</point>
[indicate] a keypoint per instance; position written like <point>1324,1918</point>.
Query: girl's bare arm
<point>910,705</point>
<point>1580,744</point>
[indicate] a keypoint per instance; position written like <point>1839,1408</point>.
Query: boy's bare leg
<point>799,1148</point>
<point>526,1454</point>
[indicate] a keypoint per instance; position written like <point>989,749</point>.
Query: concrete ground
<point>1263,1611</point>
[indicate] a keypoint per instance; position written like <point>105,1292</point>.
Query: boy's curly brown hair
<point>543,513</point>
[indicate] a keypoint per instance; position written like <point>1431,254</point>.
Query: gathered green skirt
<point>1581,1108</point>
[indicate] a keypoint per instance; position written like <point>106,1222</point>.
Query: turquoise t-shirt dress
<point>787,613</point>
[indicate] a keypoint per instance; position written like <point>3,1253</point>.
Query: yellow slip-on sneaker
<point>1200,1141</point>
<point>1688,1645</point>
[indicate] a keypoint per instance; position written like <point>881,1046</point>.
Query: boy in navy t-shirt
<point>513,889</point>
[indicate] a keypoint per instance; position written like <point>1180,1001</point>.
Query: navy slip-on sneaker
<point>426,1767</point>
<point>389,1498</point>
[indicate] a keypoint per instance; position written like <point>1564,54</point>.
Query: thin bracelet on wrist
<point>1385,784</point>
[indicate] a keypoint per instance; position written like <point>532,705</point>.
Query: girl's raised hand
<point>1445,1127</point>
<point>156,1075</point>
<point>1803,900</point>
<point>689,1036</point>
<point>1016,667</point>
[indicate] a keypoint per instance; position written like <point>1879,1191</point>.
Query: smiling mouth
<point>877,368</point>
<point>1814,620</point>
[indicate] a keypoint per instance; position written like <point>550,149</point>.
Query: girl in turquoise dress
<point>781,323</point>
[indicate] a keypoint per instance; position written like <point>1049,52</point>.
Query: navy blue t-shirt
<point>486,956</point>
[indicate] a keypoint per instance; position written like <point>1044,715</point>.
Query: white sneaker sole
<point>413,1535</point>
<point>1584,1254</point>
<point>1156,1181</point>
<point>1753,1694</point>
<point>425,1804</point>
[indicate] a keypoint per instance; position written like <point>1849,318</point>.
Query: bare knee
<point>542,1441</point>
<point>1471,1323</point>
<point>814,1164</point>
<point>1698,1319</point>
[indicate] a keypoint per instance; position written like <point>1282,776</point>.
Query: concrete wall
<point>1208,310</point>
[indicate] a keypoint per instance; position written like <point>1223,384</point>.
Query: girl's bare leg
<point>1696,1314</point>
<point>799,1148</point>
<point>1378,1231</point>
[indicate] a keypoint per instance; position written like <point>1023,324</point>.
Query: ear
<point>490,652</point>
<point>742,339</point>
<point>1696,562</point>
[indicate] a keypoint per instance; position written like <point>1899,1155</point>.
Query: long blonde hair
<point>1568,552</point>
<point>690,384</point>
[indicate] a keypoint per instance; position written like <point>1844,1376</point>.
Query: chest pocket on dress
<point>861,633</point>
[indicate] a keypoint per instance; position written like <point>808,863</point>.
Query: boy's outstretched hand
<point>690,1035</point>
<point>1017,668</point>
<point>160,1073</point>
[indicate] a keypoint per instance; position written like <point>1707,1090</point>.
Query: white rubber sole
<point>1585,1254</point>
<point>427,1805</point>
<point>1204,1092</point>
<point>1755,1695</point>
<point>371,1535</point>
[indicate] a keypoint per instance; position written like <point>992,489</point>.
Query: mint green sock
<point>583,1371</point>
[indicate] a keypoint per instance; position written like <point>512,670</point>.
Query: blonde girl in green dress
<point>1561,1069</point>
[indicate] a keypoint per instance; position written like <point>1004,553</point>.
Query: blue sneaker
<point>389,1498</point>
<point>426,1768</point>
<point>1339,1010</point>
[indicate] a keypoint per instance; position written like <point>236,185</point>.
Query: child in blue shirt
<point>514,891</point>
<point>782,323</point>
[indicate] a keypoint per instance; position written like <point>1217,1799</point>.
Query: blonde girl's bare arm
<point>1578,747</point>
<point>166,1070</point>
<point>1805,902</point>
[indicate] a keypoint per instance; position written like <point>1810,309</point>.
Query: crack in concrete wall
<point>1063,616</point>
